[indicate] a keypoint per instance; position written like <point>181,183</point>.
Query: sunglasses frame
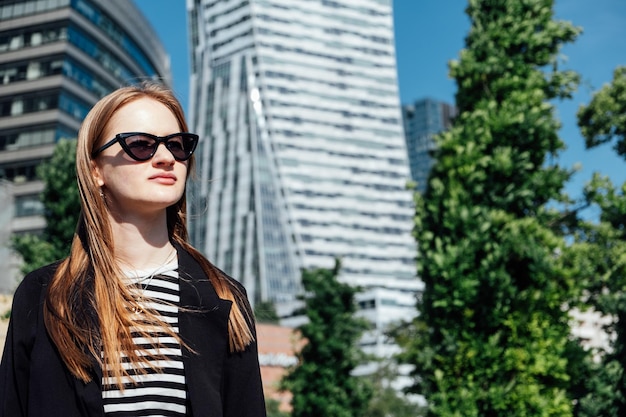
<point>121,139</point>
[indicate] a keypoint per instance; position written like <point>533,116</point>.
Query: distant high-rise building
<point>302,158</point>
<point>423,119</point>
<point>57,58</point>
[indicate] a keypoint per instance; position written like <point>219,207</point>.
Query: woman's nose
<point>163,155</point>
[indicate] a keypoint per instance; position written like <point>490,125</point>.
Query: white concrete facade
<point>302,158</point>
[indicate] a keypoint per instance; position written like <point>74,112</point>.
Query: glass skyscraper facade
<point>423,119</point>
<point>302,158</point>
<point>57,58</point>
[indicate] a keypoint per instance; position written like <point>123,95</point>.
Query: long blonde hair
<point>86,308</point>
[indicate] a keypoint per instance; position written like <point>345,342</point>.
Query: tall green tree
<point>493,336</point>
<point>265,312</point>
<point>599,253</point>
<point>386,400</point>
<point>322,383</point>
<point>602,247</point>
<point>603,120</point>
<point>61,210</point>
<point>273,408</point>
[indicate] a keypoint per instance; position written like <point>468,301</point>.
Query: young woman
<point>135,321</point>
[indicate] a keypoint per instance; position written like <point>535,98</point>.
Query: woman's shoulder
<point>234,282</point>
<point>35,281</point>
<point>43,274</point>
<point>231,281</point>
<point>28,297</point>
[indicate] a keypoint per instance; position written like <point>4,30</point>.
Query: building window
<point>79,74</point>
<point>30,70</point>
<point>22,38</point>
<point>19,172</point>
<point>23,8</point>
<point>100,54</point>
<point>73,106</point>
<point>50,100</point>
<point>367,304</point>
<point>114,32</point>
<point>28,205</point>
<point>23,138</point>
<point>28,103</point>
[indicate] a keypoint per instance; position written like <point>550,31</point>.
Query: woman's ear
<point>97,173</point>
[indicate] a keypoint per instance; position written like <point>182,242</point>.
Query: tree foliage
<point>386,400</point>
<point>601,248</point>
<point>598,253</point>
<point>321,383</point>
<point>604,118</point>
<point>272,408</point>
<point>265,312</point>
<point>493,338</point>
<point>61,210</point>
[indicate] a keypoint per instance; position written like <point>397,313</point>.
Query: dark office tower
<point>422,120</point>
<point>57,58</point>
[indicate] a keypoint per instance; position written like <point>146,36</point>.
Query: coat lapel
<point>203,324</point>
<point>91,395</point>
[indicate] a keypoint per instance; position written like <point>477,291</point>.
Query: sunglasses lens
<point>141,147</point>
<point>181,146</point>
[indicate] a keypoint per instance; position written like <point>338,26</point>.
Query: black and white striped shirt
<point>160,392</point>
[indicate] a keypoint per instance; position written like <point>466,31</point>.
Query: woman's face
<point>134,188</point>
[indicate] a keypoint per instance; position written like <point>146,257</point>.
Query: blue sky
<point>429,33</point>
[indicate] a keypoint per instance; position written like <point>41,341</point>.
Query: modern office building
<point>7,260</point>
<point>422,120</point>
<point>57,58</point>
<point>302,158</point>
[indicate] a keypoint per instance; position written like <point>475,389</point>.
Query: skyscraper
<point>422,120</point>
<point>302,158</point>
<point>57,58</point>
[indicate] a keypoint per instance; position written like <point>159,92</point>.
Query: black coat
<point>34,381</point>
